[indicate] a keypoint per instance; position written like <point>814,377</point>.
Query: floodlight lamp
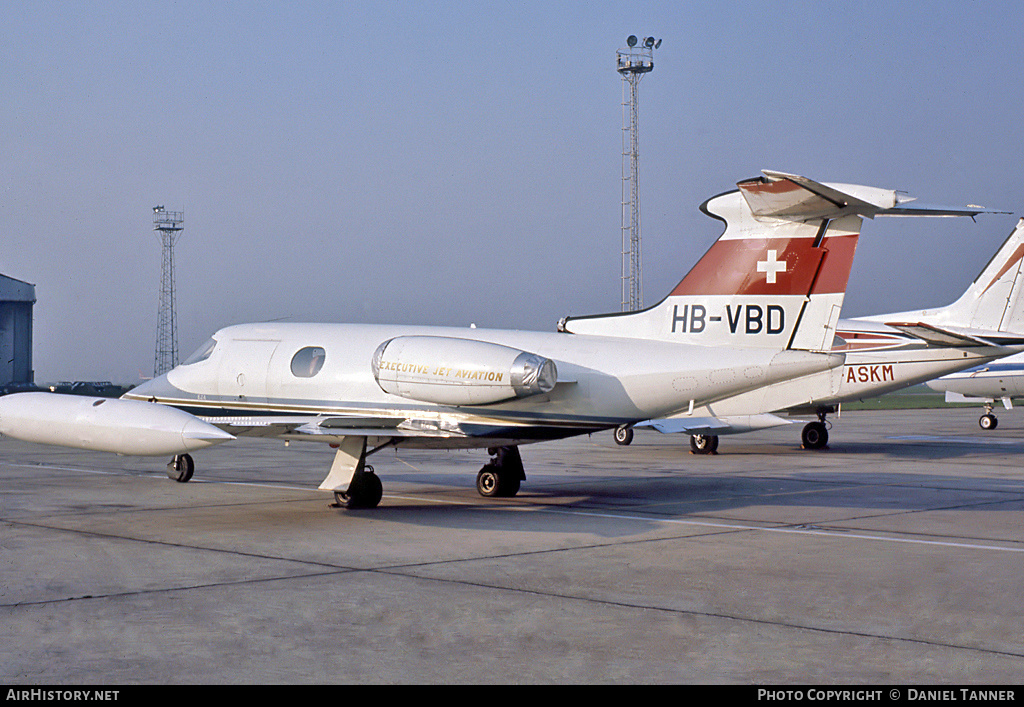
<point>657,44</point>
<point>631,40</point>
<point>649,42</point>
<point>157,209</point>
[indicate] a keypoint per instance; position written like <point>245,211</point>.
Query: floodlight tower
<point>634,62</point>
<point>168,226</point>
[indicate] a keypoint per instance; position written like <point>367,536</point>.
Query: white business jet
<point>779,286</point>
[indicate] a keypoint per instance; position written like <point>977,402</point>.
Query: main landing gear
<point>355,485</point>
<point>623,435</point>
<point>503,474</point>
<point>988,421</point>
<point>815,434</point>
<point>703,444</point>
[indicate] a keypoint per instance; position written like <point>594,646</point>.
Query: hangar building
<point>16,300</point>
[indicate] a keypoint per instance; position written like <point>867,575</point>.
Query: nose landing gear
<point>988,421</point>
<point>181,468</point>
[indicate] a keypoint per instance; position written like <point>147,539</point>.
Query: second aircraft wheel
<point>815,435</point>
<point>623,435</point>
<point>493,482</point>
<point>704,444</point>
<point>988,421</point>
<point>365,490</point>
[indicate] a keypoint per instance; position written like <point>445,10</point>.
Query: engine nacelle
<point>450,371</point>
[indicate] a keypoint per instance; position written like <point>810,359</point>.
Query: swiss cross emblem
<point>771,267</point>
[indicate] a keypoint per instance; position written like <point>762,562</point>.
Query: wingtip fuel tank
<point>128,427</point>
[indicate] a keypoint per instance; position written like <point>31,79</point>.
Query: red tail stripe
<point>730,267</point>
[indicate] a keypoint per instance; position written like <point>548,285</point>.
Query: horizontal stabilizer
<point>937,336</point>
<point>792,197</point>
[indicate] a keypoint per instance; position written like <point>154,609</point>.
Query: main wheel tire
<point>988,421</point>
<point>815,435</point>
<point>365,491</point>
<point>488,482</point>
<point>703,444</point>
<point>623,435</point>
<point>495,483</point>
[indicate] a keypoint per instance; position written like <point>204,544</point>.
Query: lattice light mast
<point>168,226</point>
<point>634,62</point>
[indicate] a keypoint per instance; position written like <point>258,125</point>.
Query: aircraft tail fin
<point>777,276</point>
<point>994,301</point>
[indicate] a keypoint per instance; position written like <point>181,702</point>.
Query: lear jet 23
<point>364,388</point>
<point>888,352</point>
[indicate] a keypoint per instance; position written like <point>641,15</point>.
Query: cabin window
<point>202,353</point>
<point>307,362</point>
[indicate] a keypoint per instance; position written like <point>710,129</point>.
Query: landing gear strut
<point>502,475</point>
<point>815,434</point>
<point>351,479</point>
<point>988,421</point>
<point>181,468</point>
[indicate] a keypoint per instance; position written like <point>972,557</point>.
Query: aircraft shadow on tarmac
<point>629,494</point>
<point>637,503</point>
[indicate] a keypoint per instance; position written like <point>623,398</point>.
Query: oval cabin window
<point>307,362</point>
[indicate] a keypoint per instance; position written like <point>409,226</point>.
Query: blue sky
<point>449,163</point>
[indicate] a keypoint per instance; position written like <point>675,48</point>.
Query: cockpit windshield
<point>202,353</point>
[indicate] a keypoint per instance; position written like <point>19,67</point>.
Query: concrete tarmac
<point>896,556</point>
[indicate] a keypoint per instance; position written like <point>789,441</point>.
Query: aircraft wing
<point>713,425</point>
<point>954,397</point>
<point>691,425</point>
<point>312,426</point>
<point>331,428</point>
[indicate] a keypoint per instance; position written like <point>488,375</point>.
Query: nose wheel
<point>988,421</point>
<point>181,468</point>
